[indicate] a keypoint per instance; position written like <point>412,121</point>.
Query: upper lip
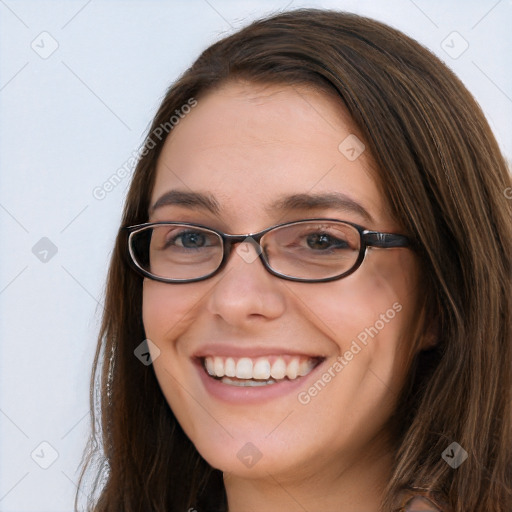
<point>227,350</point>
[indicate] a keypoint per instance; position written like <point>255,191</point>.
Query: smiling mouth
<point>260,371</point>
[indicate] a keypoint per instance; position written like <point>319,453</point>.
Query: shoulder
<point>421,504</point>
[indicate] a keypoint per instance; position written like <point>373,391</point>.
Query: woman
<point>350,348</point>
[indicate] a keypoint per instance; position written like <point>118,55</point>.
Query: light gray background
<point>69,122</point>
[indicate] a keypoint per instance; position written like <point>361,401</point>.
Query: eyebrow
<point>335,200</point>
<point>187,199</point>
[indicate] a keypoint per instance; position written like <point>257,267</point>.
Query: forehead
<point>249,145</point>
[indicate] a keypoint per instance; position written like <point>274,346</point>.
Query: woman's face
<point>246,148</point>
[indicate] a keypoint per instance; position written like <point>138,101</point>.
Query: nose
<point>245,291</point>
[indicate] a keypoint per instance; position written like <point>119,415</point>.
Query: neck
<point>351,486</point>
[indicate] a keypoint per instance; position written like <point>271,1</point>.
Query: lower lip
<point>256,394</point>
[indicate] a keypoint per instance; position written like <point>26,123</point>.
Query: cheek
<point>368,317</point>
<point>375,307</point>
<point>167,310</point>
<point>159,309</point>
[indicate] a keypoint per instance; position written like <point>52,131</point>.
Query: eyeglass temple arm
<point>384,240</point>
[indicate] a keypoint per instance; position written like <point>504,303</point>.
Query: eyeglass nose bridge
<point>253,239</point>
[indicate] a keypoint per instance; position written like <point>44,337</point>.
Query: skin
<point>247,145</point>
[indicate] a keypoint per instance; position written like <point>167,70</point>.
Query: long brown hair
<point>445,180</point>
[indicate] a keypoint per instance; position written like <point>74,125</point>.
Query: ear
<point>427,328</point>
<point>429,341</point>
<point>430,336</point>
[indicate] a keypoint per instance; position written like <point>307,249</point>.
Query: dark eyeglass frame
<point>368,238</point>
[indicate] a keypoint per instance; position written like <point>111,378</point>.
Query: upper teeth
<point>259,368</point>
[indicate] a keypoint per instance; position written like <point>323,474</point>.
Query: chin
<point>249,453</point>
<point>247,460</point>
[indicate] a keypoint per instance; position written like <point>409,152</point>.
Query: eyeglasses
<point>310,251</point>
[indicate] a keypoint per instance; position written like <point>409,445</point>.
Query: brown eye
<point>322,241</point>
